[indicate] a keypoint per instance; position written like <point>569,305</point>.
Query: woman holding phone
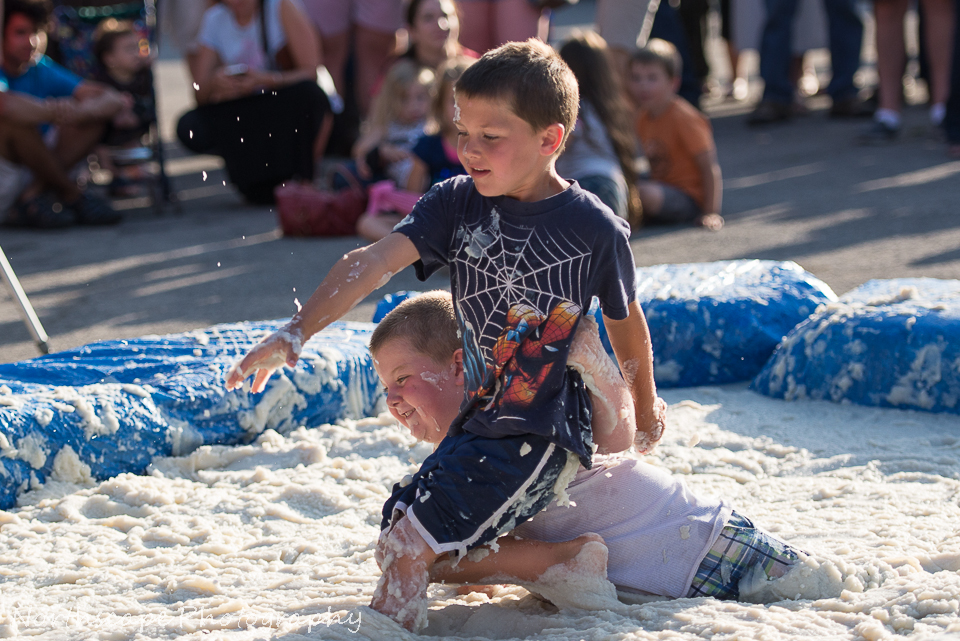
<point>259,103</point>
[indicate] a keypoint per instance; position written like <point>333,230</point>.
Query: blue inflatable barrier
<point>711,323</point>
<point>888,343</point>
<point>110,407</point>
<point>715,323</point>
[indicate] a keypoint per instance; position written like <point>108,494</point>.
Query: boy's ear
<point>551,138</point>
<point>675,83</point>
<point>458,367</point>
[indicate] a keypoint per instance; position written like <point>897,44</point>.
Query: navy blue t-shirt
<point>430,149</point>
<point>522,274</point>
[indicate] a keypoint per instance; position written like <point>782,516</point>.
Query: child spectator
<point>600,152</point>
<point>435,154</point>
<point>434,159</point>
<point>640,511</point>
<point>397,120</point>
<point>521,281</point>
<point>685,183</point>
<point>123,67</point>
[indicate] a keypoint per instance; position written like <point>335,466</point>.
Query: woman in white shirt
<point>260,106</point>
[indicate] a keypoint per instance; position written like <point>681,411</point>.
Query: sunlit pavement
<point>800,191</point>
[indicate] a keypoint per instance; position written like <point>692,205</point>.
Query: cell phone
<point>236,70</point>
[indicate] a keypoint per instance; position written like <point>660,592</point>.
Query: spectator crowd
<point>280,85</point>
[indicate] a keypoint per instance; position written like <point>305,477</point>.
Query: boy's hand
<point>279,349</point>
<point>646,441</point>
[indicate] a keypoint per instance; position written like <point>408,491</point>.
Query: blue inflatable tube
<point>711,323</point>
<point>888,343</point>
<point>110,407</point>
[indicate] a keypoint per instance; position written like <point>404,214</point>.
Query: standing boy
<point>685,184</point>
<point>527,251</point>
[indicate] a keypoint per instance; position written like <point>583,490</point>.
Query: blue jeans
<point>846,36</point>
<point>668,26</point>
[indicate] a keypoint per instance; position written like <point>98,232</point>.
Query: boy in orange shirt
<point>685,184</point>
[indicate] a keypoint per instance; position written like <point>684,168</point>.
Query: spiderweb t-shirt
<point>521,275</point>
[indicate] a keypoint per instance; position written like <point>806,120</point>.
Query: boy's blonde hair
<point>660,52</point>
<point>447,75</point>
<point>427,321</point>
<point>402,75</point>
<point>531,78</point>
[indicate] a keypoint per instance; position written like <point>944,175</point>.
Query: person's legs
<point>609,191</point>
<point>76,142</point>
<point>514,20</point>
<point>775,51</point>
<point>951,121</point>
<point>332,19</point>
<point>651,197</point>
<point>568,574</point>
<point>373,49</point>
<point>938,28</point>
<point>667,26</point>
<point>194,133</point>
<point>516,560</point>
<point>335,49</point>
<point>406,561</point>
<point>24,146</point>
<point>476,16</point>
<point>846,39</point>
<point>376,24</point>
<point>889,16</point>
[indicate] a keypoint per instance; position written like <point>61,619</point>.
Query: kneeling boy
<point>662,539</point>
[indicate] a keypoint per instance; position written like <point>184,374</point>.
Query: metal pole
<point>26,309</point>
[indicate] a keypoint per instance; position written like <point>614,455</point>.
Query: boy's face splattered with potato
<point>422,394</point>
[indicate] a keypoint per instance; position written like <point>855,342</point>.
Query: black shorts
<point>472,488</point>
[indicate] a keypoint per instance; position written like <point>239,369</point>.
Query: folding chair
<point>26,309</point>
<point>72,46</point>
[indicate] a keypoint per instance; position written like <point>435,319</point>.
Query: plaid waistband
<point>739,547</point>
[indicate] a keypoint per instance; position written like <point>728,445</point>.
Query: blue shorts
<point>473,488</point>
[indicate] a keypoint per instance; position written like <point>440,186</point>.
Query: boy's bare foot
<point>713,222</point>
<point>580,582</point>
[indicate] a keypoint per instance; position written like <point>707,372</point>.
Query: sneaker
<point>768,112</point>
<point>878,133</point>
<point>91,210</point>
<point>852,107</point>
<point>43,211</point>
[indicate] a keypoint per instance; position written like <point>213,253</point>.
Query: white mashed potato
<point>276,539</point>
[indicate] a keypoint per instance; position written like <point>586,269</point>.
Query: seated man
<point>35,165</point>
<point>662,539</point>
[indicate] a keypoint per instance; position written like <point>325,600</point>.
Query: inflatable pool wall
<point>887,343</point>
<point>711,323</point>
<point>110,407</point>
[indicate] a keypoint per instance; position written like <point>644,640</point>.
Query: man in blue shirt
<point>35,186</point>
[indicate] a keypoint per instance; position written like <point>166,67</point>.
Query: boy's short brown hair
<point>427,321</point>
<point>532,78</point>
<point>660,52</point>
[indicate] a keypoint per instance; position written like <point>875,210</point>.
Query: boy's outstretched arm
<point>631,343</point>
<point>348,282</point>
